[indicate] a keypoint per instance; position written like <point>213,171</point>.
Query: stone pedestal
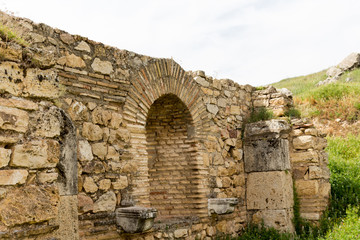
<point>135,219</point>
<point>222,205</point>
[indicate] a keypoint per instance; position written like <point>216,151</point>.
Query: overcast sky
<point>253,42</point>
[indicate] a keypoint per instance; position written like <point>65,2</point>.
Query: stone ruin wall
<point>86,129</point>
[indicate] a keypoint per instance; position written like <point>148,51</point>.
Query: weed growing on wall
<point>261,114</point>
<point>7,35</point>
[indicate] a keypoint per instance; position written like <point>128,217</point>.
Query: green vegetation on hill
<point>337,100</point>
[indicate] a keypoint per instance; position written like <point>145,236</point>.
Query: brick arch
<point>164,77</point>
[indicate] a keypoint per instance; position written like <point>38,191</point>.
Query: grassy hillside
<point>336,107</point>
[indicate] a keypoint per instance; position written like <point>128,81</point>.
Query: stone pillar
<point>269,186</point>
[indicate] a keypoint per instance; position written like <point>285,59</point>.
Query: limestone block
<point>41,83</point>
<point>99,150</point>
<point>212,108</point>
<point>103,67</point>
<point>101,116</point>
<point>67,38</point>
<point>11,78</point>
<point>4,157</point>
<point>266,155</point>
<point>218,159</point>
<point>13,177</point>
<point>135,219</point>
<point>78,111</point>
<point>180,233</point>
<point>311,131</point>
<point>71,60</point>
<point>105,184</point>
<point>121,134</point>
<point>84,151</point>
<point>308,156</point>
<point>47,123</point>
<point>269,190</point>
<point>105,203</point>
<point>202,81</point>
<point>83,46</point>
<point>324,189</point>
<point>11,53</point>
<point>89,185</point>
<point>307,187</point>
<point>116,120</point>
<point>261,103</point>
<point>304,142</point>
<point>36,154</point>
<point>29,204</point>
<point>112,154</point>
<point>45,177</point>
<point>92,132</point>
<point>315,172</point>
<point>221,102</point>
<point>350,61</point>
<point>333,72</point>
<point>281,101</point>
<point>15,102</point>
<point>222,205</point>
<point>13,119</point>
<point>121,183</point>
<point>268,127</point>
<point>85,203</point>
<point>37,38</point>
<point>278,219</point>
<point>235,110</point>
<point>310,216</point>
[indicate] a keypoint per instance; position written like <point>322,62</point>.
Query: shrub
<point>293,113</point>
<point>255,232</point>
<point>261,114</point>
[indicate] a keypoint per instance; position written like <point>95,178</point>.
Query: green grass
<point>7,35</point>
<point>261,114</point>
<point>301,84</point>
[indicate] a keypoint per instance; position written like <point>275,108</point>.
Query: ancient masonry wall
<point>86,129</point>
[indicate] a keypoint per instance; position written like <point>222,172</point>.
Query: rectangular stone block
<point>13,177</point>
<point>13,119</point>
<point>266,155</point>
<point>36,154</point>
<point>308,156</point>
<point>304,142</point>
<point>307,187</point>
<point>278,219</point>
<point>269,190</point>
<point>4,157</point>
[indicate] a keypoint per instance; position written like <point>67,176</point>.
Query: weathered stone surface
<point>269,190</point>
<point>105,203</point>
<point>13,119</point>
<point>89,185</point>
<point>101,116</point>
<point>71,60</point>
<point>112,154</point>
<point>13,177</point>
<point>78,111</point>
<point>83,46</point>
<point>266,155</point>
<point>235,110</point>
<point>45,177</point>
<point>105,184</point>
<point>121,134</point>
<point>85,203</point>
<point>333,72</point>
<point>351,61</point>
<point>11,53</point>
<point>68,218</point>
<point>308,156</point>
<point>121,183</point>
<point>67,38</point>
<point>29,204</point>
<point>212,108</point>
<point>307,187</point>
<point>92,132</point>
<point>202,81</point>
<point>99,150</point>
<point>278,219</point>
<point>41,83</point>
<point>304,142</point>
<point>180,233</point>
<point>15,102</point>
<point>104,67</point>
<point>222,205</point>
<point>84,151</point>
<point>36,154</point>
<point>11,78</point>
<point>116,120</point>
<point>4,157</point>
<point>273,126</point>
<point>135,219</point>
<point>47,123</point>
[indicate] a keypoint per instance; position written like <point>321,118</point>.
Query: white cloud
<point>249,41</point>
